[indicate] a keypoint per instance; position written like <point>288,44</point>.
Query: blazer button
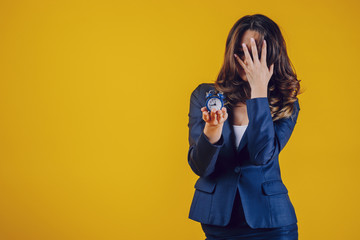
<point>237,169</point>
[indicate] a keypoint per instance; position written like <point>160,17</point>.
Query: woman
<point>234,150</point>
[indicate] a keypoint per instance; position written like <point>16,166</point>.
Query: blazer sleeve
<point>202,155</point>
<point>266,138</point>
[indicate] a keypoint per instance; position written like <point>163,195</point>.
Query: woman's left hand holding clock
<point>214,118</point>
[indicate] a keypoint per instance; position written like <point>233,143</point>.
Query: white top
<point>239,132</point>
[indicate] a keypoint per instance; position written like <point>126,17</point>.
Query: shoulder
<point>297,104</point>
<point>199,93</point>
<point>202,88</point>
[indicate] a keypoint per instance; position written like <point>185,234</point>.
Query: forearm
<point>260,130</point>
<point>267,138</point>
<point>202,155</point>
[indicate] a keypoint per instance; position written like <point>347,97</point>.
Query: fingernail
<point>252,39</point>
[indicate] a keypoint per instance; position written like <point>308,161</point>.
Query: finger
<point>206,116</point>
<point>254,51</point>
<point>225,115</point>
<point>241,62</point>
<point>213,115</point>
<point>272,69</point>
<point>203,116</point>
<point>247,55</point>
<point>224,111</point>
<point>223,119</point>
<point>204,109</point>
<point>219,115</point>
<point>263,54</point>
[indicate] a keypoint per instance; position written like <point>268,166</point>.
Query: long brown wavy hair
<point>283,86</point>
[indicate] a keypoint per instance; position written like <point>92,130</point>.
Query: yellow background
<point>94,97</point>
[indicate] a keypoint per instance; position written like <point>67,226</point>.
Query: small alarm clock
<point>214,100</point>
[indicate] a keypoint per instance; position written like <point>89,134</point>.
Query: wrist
<point>213,133</point>
<point>213,128</point>
<point>259,91</point>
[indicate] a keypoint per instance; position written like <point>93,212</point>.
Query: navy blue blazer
<point>252,168</point>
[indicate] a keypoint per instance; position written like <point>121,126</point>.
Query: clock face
<point>214,103</point>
